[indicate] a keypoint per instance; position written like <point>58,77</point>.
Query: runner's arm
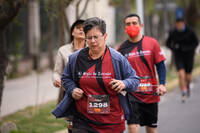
<point>161,69</point>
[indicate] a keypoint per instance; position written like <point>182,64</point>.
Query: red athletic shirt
<point>94,75</point>
<point>153,55</point>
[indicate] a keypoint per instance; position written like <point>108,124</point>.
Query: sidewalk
<point>62,131</point>
<point>27,91</point>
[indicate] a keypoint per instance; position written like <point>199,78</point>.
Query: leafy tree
<point>9,9</point>
<point>123,8</point>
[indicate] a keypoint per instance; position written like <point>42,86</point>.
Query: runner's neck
<point>78,44</point>
<point>135,39</point>
<point>96,54</point>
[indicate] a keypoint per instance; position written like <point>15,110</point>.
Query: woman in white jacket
<point>77,42</point>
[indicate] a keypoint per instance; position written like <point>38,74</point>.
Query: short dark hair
<point>94,22</point>
<point>133,15</point>
<point>77,22</point>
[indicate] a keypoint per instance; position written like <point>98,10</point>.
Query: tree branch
<point>66,21</point>
<point>84,9</point>
<point>8,11</point>
<point>77,8</point>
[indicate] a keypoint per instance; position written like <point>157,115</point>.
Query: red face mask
<point>132,30</point>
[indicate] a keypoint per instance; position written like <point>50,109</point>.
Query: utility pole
<point>140,12</point>
<point>166,20</point>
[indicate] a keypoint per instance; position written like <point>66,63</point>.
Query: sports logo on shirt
<point>94,74</point>
<point>137,54</point>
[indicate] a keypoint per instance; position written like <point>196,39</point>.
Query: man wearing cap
<point>183,41</point>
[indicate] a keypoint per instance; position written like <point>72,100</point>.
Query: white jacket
<point>61,60</point>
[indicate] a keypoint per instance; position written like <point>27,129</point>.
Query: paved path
<point>22,92</point>
<point>177,117</point>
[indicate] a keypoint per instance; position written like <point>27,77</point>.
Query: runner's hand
<point>77,93</point>
<point>161,90</point>
<point>117,85</point>
<point>57,83</point>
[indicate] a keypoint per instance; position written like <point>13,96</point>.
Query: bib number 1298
<point>98,104</point>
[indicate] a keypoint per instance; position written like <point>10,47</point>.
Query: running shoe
<point>183,98</point>
<point>188,90</point>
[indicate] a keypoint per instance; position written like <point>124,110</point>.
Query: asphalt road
<point>177,117</point>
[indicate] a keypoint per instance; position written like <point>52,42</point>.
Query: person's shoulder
<point>150,39</point>
<point>123,45</point>
<point>76,53</point>
<point>115,54</point>
<point>113,51</point>
<point>172,31</point>
<point>150,42</point>
<point>65,47</point>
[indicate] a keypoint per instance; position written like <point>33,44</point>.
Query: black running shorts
<point>184,60</point>
<point>144,114</point>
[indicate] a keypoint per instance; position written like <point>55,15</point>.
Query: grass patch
<point>172,75</point>
<point>36,120</point>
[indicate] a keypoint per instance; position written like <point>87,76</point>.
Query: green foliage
<point>197,61</point>
<point>51,7</point>
<point>149,6</point>
<point>172,73</point>
<point>36,120</point>
<point>115,3</point>
<point>67,2</point>
<point>14,36</point>
<point>14,60</point>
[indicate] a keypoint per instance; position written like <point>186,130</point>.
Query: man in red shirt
<point>144,54</point>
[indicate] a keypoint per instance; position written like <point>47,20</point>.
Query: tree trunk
<point>51,37</point>
<point>123,10</point>
<point>191,13</point>
<point>34,31</point>
<point>61,24</point>
<point>9,9</point>
<point>3,61</point>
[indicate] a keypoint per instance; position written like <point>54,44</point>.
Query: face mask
<point>132,30</point>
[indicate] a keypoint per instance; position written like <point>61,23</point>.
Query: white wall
<point>97,8</point>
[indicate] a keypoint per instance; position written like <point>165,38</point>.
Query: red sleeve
<point>158,55</point>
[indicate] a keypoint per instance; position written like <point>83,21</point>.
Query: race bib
<point>145,84</point>
<point>98,104</point>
